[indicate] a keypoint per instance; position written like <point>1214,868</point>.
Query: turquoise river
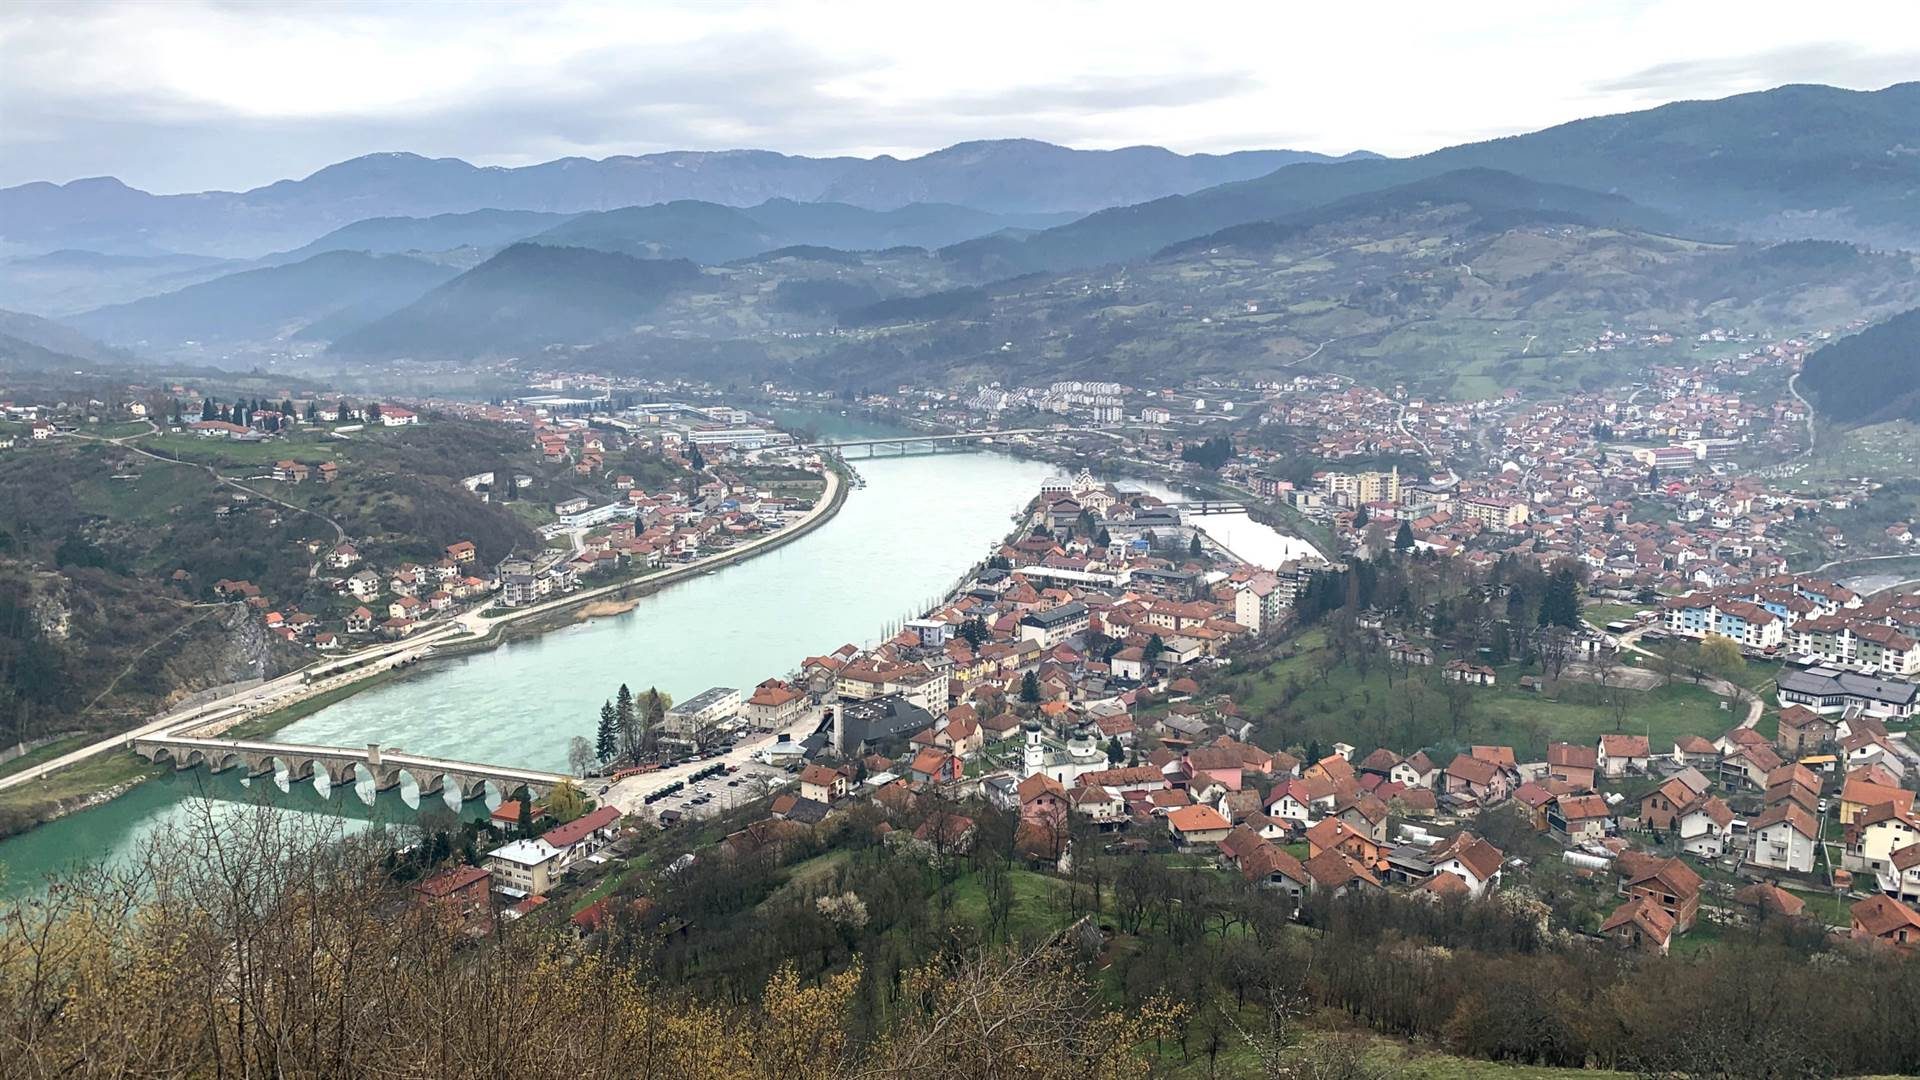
<point>897,544</point>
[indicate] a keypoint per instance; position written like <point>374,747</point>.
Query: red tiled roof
<point>565,836</point>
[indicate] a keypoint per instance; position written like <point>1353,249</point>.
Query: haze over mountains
<point>848,268</point>
<point>1018,176</point>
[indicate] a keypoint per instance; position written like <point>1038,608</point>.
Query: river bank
<point>914,528</point>
<point>1277,516</point>
<point>108,772</point>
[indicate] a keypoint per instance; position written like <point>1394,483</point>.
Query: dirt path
<point>1756,705</point>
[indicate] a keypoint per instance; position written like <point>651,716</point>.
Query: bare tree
<point>580,755</point>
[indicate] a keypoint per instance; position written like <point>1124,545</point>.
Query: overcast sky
<point>179,95</point>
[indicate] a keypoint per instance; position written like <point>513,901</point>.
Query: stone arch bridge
<point>342,766</point>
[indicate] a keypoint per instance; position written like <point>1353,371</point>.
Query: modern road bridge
<point>923,444</point>
<point>1206,506</point>
<point>342,766</point>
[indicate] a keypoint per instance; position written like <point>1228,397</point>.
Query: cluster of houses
<point>517,875</point>
<point>391,605</point>
<point>394,604</point>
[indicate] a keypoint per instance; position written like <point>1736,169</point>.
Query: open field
<point>45,753</point>
<point>1329,701</point>
<point>20,806</point>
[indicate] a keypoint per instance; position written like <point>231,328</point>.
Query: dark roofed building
<point>862,726</point>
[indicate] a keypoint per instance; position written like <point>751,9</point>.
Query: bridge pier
<point>387,768</point>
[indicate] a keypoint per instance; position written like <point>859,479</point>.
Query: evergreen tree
<point>1155,646</point>
<point>313,413</point>
<point>1030,688</point>
<point>526,813</point>
<point>608,742</point>
<point>207,410</point>
<point>653,713</point>
<point>1115,752</point>
<point>1561,605</point>
<point>1102,537</point>
<point>694,459</point>
<point>373,411</point>
<point>1360,518</point>
<point>1403,540</point>
<point>1194,549</point>
<point>624,722</point>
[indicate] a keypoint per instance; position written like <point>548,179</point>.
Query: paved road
<point>291,687</point>
<point>1793,387</point>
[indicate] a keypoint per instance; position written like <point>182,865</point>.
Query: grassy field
<point>1876,451</point>
<point>1827,907</point>
<point>1600,614</point>
<point>156,490</point>
<point>1386,1057</point>
<point>45,753</point>
<point>1338,702</point>
<point>1033,910</point>
<point>93,775</point>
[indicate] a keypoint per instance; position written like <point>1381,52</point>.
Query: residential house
<point>1706,827</point>
<point>1470,778</point>
<point>1335,873</point>
<point>1571,764</point>
<point>1640,924</point>
<point>1620,755</point>
<point>1662,807</point>
<point>1473,860</point>
<point>461,897</point>
<point>1874,835</point>
<point>524,867</point>
<point>1886,922</point>
<point>1192,825</point>
<point>774,704</point>
<point>1578,818</point>
<point>1784,837</point>
<point>1859,793</point>
<point>1418,771</point>
<point>821,784</point>
<point>1669,883</point>
<point>583,836</point>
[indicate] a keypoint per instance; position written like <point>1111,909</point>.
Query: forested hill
<point>1869,377</point>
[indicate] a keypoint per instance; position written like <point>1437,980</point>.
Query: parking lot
<point>725,791</point>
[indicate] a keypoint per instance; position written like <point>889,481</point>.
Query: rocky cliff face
<point>86,649</point>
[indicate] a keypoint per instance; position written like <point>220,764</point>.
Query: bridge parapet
<point>342,765</point>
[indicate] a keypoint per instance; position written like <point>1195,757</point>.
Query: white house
<point>1784,839</point>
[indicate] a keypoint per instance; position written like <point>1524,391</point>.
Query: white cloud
<point>188,95</point>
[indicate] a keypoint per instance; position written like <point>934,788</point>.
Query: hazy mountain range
<point>1017,176</point>
<point>395,255</point>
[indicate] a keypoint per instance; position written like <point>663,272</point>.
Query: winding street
<point>1793,387</point>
